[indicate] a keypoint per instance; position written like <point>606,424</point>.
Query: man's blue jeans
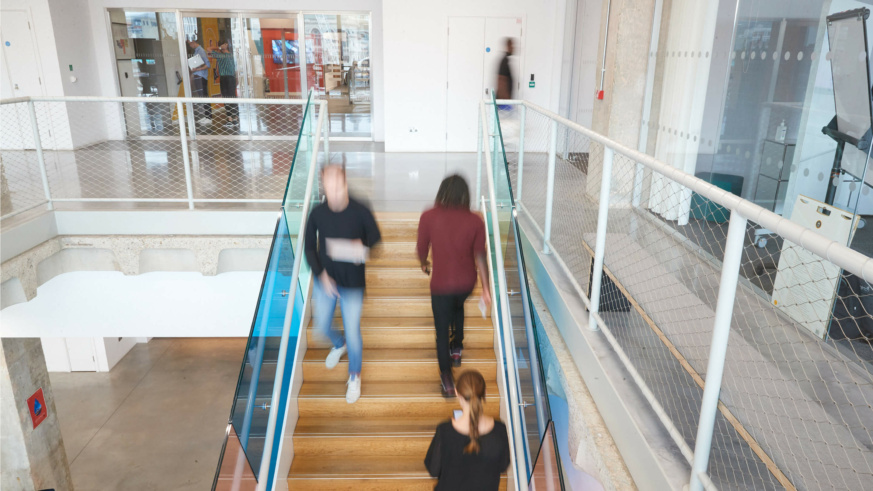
<point>351,303</point>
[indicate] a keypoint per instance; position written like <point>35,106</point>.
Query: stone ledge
<point>210,255</point>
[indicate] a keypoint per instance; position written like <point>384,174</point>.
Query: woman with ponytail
<point>470,451</point>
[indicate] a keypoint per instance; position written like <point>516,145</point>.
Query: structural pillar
<point>619,114</point>
<point>32,458</point>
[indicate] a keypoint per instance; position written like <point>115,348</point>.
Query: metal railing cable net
<point>133,153</point>
<point>724,336</point>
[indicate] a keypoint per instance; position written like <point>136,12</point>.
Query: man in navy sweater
<point>339,234</point>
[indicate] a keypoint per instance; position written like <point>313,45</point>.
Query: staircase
<point>380,441</point>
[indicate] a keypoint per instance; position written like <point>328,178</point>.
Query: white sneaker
<point>204,121</point>
<point>334,356</point>
<point>353,393</point>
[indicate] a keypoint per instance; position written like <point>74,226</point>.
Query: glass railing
<point>530,413</point>
<point>264,380</point>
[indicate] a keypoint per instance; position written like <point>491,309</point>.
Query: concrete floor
<point>156,421</point>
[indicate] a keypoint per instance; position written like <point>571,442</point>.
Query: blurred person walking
<point>339,234</point>
<point>455,238</point>
<point>471,451</point>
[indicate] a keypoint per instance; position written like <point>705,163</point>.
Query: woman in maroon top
<point>455,237</point>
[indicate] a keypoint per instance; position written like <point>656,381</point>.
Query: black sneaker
<point>456,357</point>
<point>448,385</point>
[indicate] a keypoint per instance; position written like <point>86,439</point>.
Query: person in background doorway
<point>505,82</point>
<point>339,234</point>
<point>227,73</point>
<point>200,82</point>
<point>455,237</point>
<point>471,451</point>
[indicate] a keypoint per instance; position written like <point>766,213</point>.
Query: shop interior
<point>268,60</point>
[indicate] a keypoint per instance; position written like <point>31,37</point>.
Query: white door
<point>20,61</point>
<point>476,47</point>
<point>497,31</point>
<point>465,75</point>
<point>83,354</point>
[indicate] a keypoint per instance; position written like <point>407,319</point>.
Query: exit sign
<point>531,84</point>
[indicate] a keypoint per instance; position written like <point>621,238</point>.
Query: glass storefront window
<point>249,55</point>
<point>338,68</point>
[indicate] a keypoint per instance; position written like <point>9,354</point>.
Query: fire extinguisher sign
<point>38,409</point>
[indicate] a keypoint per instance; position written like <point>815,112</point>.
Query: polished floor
<point>245,175</point>
<point>156,421</point>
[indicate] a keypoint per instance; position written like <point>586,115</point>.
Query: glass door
<point>215,64</point>
<point>146,48</point>
<point>272,52</point>
<point>338,69</point>
<point>273,60</point>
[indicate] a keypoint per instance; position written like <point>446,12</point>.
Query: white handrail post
<point>727,290</point>
<point>523,118</point>
<point>495,140</point>
<point>550,187</point>
<point>40,158</point>
<point>600,241</point>
<point>185,160</point>
<point>638,185</point>
<point>479,150</point>
<point>326,138</point>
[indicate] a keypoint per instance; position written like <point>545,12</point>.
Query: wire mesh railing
<point>755,357</point>
<point>124,153</point>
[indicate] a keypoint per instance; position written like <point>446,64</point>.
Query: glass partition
<point>258,377</point>
<point>779,113</point>
<point>533,412</point>
<point>546,474</point>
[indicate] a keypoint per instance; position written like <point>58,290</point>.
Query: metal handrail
<point>182,137</point>
<point>833,251</point>
<point>508,346</point>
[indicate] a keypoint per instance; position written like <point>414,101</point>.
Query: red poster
<point>37,407</point>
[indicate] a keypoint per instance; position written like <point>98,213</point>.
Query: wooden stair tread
<point>379,442</point>
<point>358,466</point>
<point>403,355</point>
<point>393,292</point>
<point>377,390</point>
<point>368,426</point>
<point>472,322</point>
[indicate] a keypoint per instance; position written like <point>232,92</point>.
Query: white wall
<point>162,304</point>
<point>74,46</point>
<point>47,54</point>
<point>416,51</point>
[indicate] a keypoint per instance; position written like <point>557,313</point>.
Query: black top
<point>355,222</point>
<point>504,71</point>
<point>458,471</point>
